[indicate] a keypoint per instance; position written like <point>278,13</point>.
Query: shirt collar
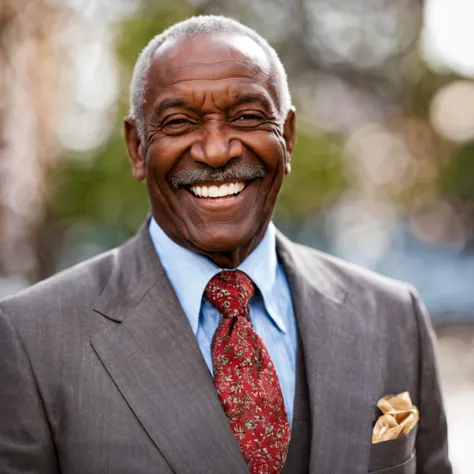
<point>261,267</point>
<point>189,272</point>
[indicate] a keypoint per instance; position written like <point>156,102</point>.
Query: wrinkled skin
<point>209,102</point>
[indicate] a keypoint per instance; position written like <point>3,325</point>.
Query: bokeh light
<point>448,35</point>
<point>452,121</point>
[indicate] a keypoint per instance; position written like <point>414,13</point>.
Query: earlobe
<point>134,148</point>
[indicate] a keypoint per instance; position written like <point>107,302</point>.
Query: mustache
<point>231,172</point>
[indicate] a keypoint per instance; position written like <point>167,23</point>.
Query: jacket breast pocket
<point>396,456</point>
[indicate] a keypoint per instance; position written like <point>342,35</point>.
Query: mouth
<point>223,190</point>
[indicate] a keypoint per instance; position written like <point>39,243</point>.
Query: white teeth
<point>218,191</point>
<point>224,190</point>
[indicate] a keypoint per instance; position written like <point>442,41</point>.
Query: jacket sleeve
<point>432,442</point>
<point>25,440</point>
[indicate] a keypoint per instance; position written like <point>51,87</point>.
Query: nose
<point>217,146</point>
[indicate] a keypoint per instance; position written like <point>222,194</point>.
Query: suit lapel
<point>339,360</point>
<point>155,361</point>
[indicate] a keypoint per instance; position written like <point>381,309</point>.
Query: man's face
<point>215,148</point>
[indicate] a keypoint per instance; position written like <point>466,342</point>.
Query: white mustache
<point>233,172</point>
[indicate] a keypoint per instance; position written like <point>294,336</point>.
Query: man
<point>209,343</point>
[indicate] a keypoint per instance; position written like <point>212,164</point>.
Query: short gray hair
<point>201,25</point>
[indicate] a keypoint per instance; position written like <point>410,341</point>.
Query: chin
<point>216,239</point>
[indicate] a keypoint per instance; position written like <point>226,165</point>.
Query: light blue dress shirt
<point>271,308</point>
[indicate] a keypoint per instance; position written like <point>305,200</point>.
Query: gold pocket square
<point>399,417</point>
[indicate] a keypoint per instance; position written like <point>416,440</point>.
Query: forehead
<point>213,63</point>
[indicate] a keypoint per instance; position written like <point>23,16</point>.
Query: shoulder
<point>69,303</point>
<point>343,277</point>
<point>370,310</point>
<point>64,303</point>
<point>68,294</point>
<point>377,304</point>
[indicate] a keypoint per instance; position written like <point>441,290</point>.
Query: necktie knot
<point>229,292</point>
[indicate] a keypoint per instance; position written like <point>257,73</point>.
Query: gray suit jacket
<point>100,372</point>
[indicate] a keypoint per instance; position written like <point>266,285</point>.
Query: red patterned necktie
<point>245,377</point>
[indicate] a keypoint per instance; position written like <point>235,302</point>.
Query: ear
<point>289,134</point>
<point>134,148</point>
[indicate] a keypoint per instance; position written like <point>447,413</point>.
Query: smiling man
<point>212,133</point>
<point>209,343</point>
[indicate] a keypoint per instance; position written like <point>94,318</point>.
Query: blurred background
<point>383,172</point>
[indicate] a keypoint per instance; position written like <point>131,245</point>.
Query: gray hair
<point>201,25</point>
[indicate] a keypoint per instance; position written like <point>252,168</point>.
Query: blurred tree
<point>29,66</point>
<point>457,184</point>
<point>99,190</point>
<point>366,70</point>
<point>96,188</point>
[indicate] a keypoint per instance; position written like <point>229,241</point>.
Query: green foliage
<point>98,187</point>
<point>316,178</point>
<point>153,18</point>
<point>457,179</point>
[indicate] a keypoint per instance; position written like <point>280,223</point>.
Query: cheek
<point>269,147</point>
<point>273,154</point>
<point>162,156</point>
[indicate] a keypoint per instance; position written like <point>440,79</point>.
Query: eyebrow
<point>243,99</point>
<point>256,99</point>
<point>169,104</point>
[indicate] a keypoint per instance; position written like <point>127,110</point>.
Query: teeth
<point>218,191</point>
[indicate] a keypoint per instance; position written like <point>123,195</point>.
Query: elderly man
<point>209,343</point>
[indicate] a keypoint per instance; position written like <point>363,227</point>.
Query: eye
<point>248,120</point>
<point>249,117</point>
<point>177,125</point>
<point>176,122</point>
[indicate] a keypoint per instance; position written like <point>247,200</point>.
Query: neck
<point>233,258</point>
<point>225,258</point>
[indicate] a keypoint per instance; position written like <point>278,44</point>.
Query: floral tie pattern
<point>245,377</point>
